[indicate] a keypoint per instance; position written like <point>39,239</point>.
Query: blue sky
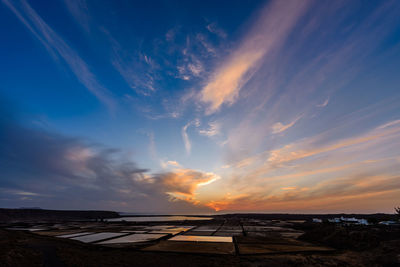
<point>201,106</point>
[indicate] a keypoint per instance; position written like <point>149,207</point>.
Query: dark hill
<point>25,215</point>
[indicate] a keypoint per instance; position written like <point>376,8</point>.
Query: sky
<point>200,107</point>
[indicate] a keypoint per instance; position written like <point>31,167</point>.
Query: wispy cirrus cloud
<point>80,12</point>
<point>191,67</point>
<point>214,28</point>
<point>273,95</point>
<point>271,29</point>
<point>170,163</point>
<point>193,55</point>
<point>324,104</point>
<point>292,79</point>
<point>186,140</point>
<point>305,149</point>
<point>136,68</point>
<point>279,127</point>
<point>307,170</point>
<point>367,196</point>
<point>185,136</point>
<point>152,145</point>
<point>58,48</point>
<point>214,129</point>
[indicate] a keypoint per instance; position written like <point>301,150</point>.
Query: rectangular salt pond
<point>231,230</point>
<point>26,229</point>
<point>292,234</point>
<point>263,228</point>
<point>159,219</point>
<point>96,237</point>
<point>159,227</point>
<point>196,238</point>
<point>75,234</point>
<point>133,231</point>
<point>173,231</point>
<point>206,228</point>
<point>202,233</point>
<point>226,233</point>
<point>135,238</point>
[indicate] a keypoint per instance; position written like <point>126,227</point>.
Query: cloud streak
<point>170,163</point>
<point>315,174</point>
<point>324,104</point>
<point>279,127</point>
<point>80,12</point>
<point>275,22</point>
<point>213,130</point>
<point>305,71</point>
<point>185,136</point>
<point>58,48</point>
<point>282,104</point>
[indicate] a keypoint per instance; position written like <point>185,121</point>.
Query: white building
<point>351,220</point>
<point>316,220</point>
<point>348,221</point>
<point>388,222</point>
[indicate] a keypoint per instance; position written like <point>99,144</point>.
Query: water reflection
<point>197,238</point>
<point>159,219</point>
<point>133,238</point>
<point>96,237</point>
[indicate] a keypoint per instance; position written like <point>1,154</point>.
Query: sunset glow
<point>193,107</point>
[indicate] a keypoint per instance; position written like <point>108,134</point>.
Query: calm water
<point>224,239</point>
<point>97,237</point>
<point>134,238</point>
<point>159,219</point>
<point>75,234</point>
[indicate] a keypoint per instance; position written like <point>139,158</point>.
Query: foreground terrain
<point>231,240</point>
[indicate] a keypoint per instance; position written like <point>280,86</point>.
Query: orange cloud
<point>225,86</point>
<point>170,163</point>
<point>308,176</point>
<point>226,202</point>
<point>273,26</point>
<point>182,183</point>
<point>293,152</point>
<point>332,193</point>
